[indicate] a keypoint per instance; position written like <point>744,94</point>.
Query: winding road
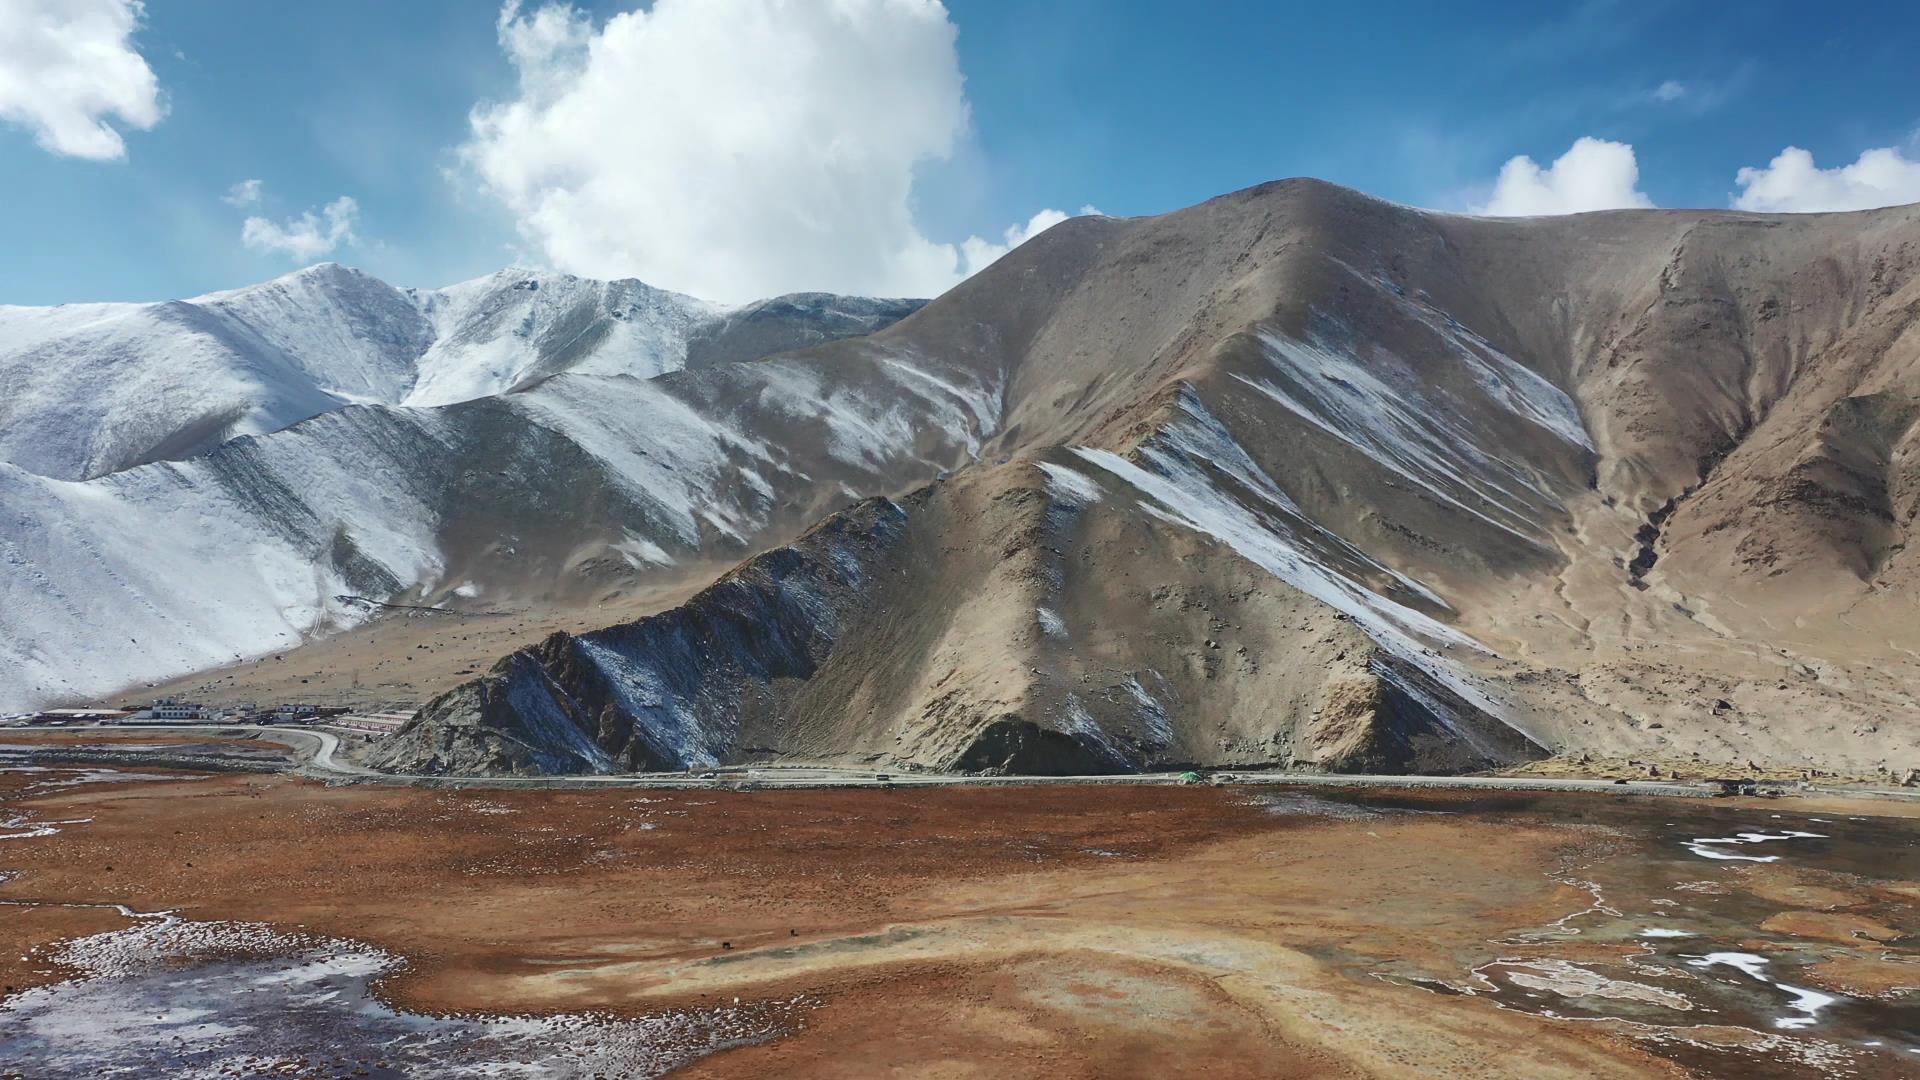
<point>320,755</point>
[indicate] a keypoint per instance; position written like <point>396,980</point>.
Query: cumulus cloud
<point>732,148</point>
<point>977,254</point>
<point>69,66</point>
<point>1593,174</point>
<point>244,193</point>
<point>1792,183</point>
<point>307,237</point>
<point>1671,90</point>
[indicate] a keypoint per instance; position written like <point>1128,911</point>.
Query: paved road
<point>319,752</point>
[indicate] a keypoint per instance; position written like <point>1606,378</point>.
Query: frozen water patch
<point>1573,981</point>
<point>1051,624</point>
<point>1710,847</point>
<point>50,779</point>
<point>1298,804</point>
<point>185,999</point>
<point>1664,932</point>
<point>1808,1003</point>
<point>21,826</point>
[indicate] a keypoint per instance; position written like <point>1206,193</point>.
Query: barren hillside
<point>1302,477</point>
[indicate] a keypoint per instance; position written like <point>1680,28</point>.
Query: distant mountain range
<point>90,389</point>
<point>1293,477</point>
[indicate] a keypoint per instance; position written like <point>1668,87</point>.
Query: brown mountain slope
<point>971,625</point>
<point>1630,483</point>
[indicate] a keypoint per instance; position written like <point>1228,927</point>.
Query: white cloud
<point>308,236</point>
<point>68,66</point>
<point>1792,183</point>
<point>1671,90</point>
<point>731,148</point>
<point>244,193</point>
<point>1593,174</point>
<point>977,254</point>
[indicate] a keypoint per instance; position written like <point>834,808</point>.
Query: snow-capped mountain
<point>172,567</point>
<point>90,389</point>
<point>1291,476</point>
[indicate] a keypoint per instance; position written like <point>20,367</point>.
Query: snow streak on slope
<point>1520,389</point>
<point>670,690</point>
<point>900,402</point>
<point>677,462</point>
<point>548,725</point>
<point>1416,429</point>
<point>1068,486</point>
<point>1177,470</point>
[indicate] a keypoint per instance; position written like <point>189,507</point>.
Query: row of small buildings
<point>177,711</point>
<point>174,710</point>
<point>245,712</point>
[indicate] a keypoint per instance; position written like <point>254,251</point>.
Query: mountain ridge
<point>1520,459</point>
<point>90,389</point>
<point>1442,427</point>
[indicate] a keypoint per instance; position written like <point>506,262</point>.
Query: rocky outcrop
<point>664,692</point>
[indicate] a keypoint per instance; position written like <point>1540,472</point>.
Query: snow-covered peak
<point>504,330</point>
<point>347,333</point>
<point>89,389</point>
<point>317,276</point>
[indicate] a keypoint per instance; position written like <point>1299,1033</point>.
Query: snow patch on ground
<point>1051,624</point>
<point>1152,717</point>
<point>668,726</point>
<point>1714,847</point>
<point>1070,486</point>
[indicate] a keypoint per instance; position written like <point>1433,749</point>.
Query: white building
<point>172,709</point>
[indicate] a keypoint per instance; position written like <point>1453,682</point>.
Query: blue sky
<point>1132,108</point>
